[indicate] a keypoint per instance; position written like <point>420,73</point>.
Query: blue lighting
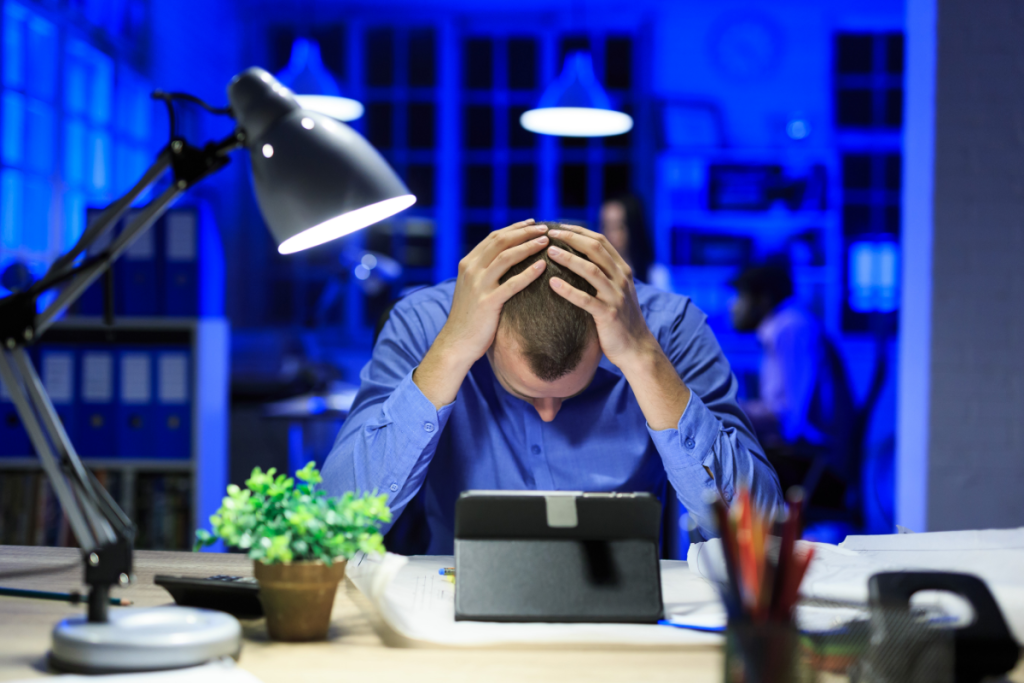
<point>874,277</point>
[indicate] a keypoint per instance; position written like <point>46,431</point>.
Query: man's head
<point>546,348</point>
<point>759,290</point>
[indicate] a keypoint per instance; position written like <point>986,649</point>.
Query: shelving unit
<point>131,478</point>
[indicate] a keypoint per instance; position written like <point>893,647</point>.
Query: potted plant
<point>299,539</point>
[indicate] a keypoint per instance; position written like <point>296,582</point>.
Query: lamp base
<point>145,640</point>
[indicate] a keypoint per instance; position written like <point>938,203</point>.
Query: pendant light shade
<point>315,87</point>
<point>575,105</point>
<point>316,179</point>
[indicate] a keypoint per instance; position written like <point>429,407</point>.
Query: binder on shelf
<point>136,421</point>
<point>57,369</point>
<point>91,301</point>
<point>14,441</point>
<point>180,237</point>
<point>136,275</point>
<point>173,408</point>
<point>97,405</point>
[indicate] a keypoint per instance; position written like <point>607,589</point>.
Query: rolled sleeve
<point>693,439</point>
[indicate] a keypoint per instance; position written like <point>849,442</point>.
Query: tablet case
<point>557,557</point>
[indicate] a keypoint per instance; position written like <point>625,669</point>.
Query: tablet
<point>557,556</point>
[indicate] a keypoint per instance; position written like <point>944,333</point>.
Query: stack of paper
<point>418,606</point>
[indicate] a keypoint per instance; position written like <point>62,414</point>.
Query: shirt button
<point>429,426</point>
<point>690,443</point>
<point>535,449</point>
<point>394,487</point>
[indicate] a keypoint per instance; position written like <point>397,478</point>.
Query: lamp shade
<point>316,179</point>
<point>575,105</point>
<point>314,86</point>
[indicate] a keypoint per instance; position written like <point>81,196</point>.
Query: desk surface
<point>353,651</point>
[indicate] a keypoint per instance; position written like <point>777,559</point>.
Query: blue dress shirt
<point>395,441</point>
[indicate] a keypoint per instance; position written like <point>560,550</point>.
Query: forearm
<point>441,372</point>
<point>661,393</point>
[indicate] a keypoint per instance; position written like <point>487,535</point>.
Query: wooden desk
<point>353,652</point>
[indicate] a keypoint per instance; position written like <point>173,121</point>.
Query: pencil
<point>73,598</point>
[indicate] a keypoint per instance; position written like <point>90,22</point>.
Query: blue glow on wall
<point>874,277</point>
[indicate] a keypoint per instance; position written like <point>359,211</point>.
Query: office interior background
<point>761,129</point>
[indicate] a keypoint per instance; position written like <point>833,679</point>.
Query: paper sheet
<point>419,605</point>
<point>841,572</point>
<point>218,671</point>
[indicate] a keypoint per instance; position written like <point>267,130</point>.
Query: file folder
<point>180,237</point>
<point>135,428</point>
<point>97,407</point>
<point>13,437</point>
<point>174,407</point>
<point>92,300</point>
<point>136,275</point>
<point>57,370</point>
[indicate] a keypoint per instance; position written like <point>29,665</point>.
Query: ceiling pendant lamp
<point>575,105</point>
<point>314,87</point>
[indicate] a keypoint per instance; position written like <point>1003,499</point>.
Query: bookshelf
<point>167,491</point>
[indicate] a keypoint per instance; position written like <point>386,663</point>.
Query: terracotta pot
<point>298,598</point>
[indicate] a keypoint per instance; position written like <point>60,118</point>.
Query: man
<point>806,408</point>
<point>543,366</point>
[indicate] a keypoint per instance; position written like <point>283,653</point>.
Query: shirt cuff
<point>416,421</point>
<point>692,440</point>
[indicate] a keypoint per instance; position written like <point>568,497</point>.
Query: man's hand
<point>621,329</point>
<point>476,307</point>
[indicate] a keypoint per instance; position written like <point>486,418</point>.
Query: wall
<point>975,437</point>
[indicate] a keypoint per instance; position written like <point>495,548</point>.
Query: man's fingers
<point>585,269</point>
<point>500,240</point>
<point>514,255</point>
<point>594,245</point>
<point>518,283</point>
<point>576,297</point>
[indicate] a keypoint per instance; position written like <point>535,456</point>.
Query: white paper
<point>58,377</point>
<point>135,381</point>
<point>419,604</point>
<point>172,371</point>
<point>97,377</point>
<point>218,671</point>
<point>841,573</point>
<point>181,236</point>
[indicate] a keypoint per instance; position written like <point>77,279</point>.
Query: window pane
<point>570,44</point>
<point>478,61</point>
<point>615,180</point>
<point>378,124</point>
<point>421,124</point>
<point>522,64</point>
<point>41,137</point>
<point>618,63</point>
<point>574,185</point>
<point>522,186</point>
<point>74,218</point>
<point>420,179</point>
<point>479,126</point>
<point>854,53</point>
<point>380,58</point>
<point>75,153</point>
<point>894,53</point>
<point>100,167</point>
<point>14,45</point>
<point>519,137</point>
<point>14,128</point>
<point>41,60</point>
<point>36,229</point>
<point>854,108</point>
<point>856,219</point>
<point>12,207</point>
<point>856,171</point>
<point>473,234</point>
<point>894,107</point>
<point>478,186</point>
<point>422,58</point>
<point>893,172</point>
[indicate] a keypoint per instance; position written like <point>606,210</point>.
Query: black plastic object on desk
<point>983,648</point>
<point>557,556</point>
<point>235,595</point>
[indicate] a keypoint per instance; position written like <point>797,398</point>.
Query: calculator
<point>236,595</point>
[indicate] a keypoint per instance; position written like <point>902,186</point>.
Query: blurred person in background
<point>805,412</point>
<point>622,223</point>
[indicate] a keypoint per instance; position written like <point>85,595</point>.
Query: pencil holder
<point>764,652</point>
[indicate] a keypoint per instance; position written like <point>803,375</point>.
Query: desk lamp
<point>316,179</point>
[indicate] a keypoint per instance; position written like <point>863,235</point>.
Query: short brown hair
<point>552,332</point>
